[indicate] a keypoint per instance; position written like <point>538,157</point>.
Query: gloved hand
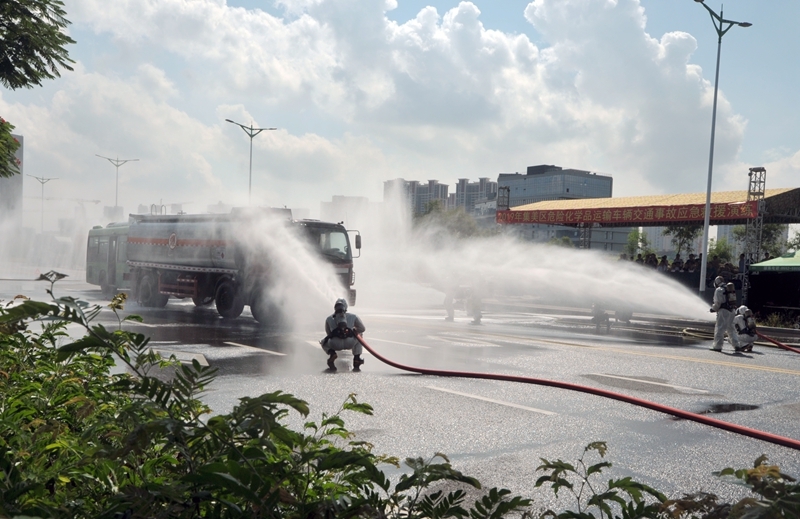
<point>712,310</point>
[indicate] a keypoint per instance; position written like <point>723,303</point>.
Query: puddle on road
<point>727,408</point>
<point>723,408</point>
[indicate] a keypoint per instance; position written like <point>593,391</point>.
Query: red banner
<point>632,215</point>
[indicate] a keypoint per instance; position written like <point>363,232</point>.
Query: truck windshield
<point>333,244</point>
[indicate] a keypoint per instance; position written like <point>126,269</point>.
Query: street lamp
<point>43,181</point>
<point>252,132</point>
<point>722,26</point>
<point>117,163</point>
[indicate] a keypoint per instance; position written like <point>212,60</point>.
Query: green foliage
<point>621,498</point>
<point>778,320</point>
<point>771,238</point>
<point>637,243</point>
<point>32,48</point>
<point>683,236</point>
<point>720,248</point>
<point>79,439</point>
<point>564,241</point>
<point>775,495</point>
<point>82,440</point>
<point>794,243</point>
<point>33,42</point>
<point>455,223</point>
<point>9,164</point>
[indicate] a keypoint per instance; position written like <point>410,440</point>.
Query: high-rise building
<point>726,232</point>
<point>418,195</point>
<point>469,193</point>
<point>11,195</point>
<point>547,182</point>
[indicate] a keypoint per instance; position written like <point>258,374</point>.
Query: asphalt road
<point>498,431</point>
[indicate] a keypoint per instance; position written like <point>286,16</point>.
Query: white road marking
<point>256,349</point>
<point>501,402</point>
<point>183,356</point>
<point>401,343</point>
<point>465,341</point>
<point>682,388</point>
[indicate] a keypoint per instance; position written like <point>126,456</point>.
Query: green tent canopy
<point>789,262</point>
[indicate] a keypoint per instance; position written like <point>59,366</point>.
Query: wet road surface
<point>498,431</point>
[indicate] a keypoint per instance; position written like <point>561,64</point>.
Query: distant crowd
<point>716,267</point>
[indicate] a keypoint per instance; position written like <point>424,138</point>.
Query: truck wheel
<point>266,312</point>
<point>148,293</point>
<point>202,301</point>
<point>105,289</point>
<point>230,303</point>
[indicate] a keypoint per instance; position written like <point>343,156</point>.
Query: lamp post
<point>251,132</point>
<point>43,181</point>
<point>722,26</point>
<point>117,163</point>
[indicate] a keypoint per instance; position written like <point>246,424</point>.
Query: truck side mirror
<point>358,241</point>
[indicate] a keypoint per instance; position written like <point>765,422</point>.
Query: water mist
<point>404,268</point>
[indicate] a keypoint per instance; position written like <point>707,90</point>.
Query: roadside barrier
<point>679,413</point>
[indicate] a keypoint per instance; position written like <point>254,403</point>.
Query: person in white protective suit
<point>341,328</point>
<point>724,306</point>
<point>745,325</point>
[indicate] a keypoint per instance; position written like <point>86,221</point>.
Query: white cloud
<point>440,96</point>
<point>181,159</point>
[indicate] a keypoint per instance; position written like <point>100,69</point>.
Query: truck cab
<point>333,242</point>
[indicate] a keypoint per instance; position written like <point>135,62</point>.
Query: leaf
<point>221,480</point>
<point>597,468</point>
<point>28,310</point>
<point>84,343</point>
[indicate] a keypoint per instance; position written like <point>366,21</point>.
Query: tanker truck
<point>218,258</point>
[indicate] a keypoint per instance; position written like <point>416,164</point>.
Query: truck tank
<point>202,257</point>
<point>204,241</point>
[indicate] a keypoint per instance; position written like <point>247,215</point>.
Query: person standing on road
<point>745,325</point>
<point>340,329</point>
<point>724,305</point>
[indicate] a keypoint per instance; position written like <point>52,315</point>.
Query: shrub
<point>79,440</point>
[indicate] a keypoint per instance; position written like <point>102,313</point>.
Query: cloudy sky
<point>363,91</point>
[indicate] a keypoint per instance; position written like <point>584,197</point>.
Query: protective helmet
<point>719,281</point>
<point>340,303</point>
<point>742,310</point>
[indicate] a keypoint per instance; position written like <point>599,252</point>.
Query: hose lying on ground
<point>776,343</point>
<point>686,415</point>
<point>700,334</point>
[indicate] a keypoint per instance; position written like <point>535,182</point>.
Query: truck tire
<point>202,300</point>
<point>148,293</point>
<point>266,312</point>
<point>105,289</point>
<point>229,301</point>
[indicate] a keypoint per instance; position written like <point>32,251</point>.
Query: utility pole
<point>251,132</point>
<point>43,181</point>
<point>721,25</point>
<point>117,163</point>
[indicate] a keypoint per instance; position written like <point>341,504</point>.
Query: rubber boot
<point>357,362</point>
<point>331,358</point>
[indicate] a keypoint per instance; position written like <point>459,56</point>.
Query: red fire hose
<point>738,429</point>
<point>776,343</point>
